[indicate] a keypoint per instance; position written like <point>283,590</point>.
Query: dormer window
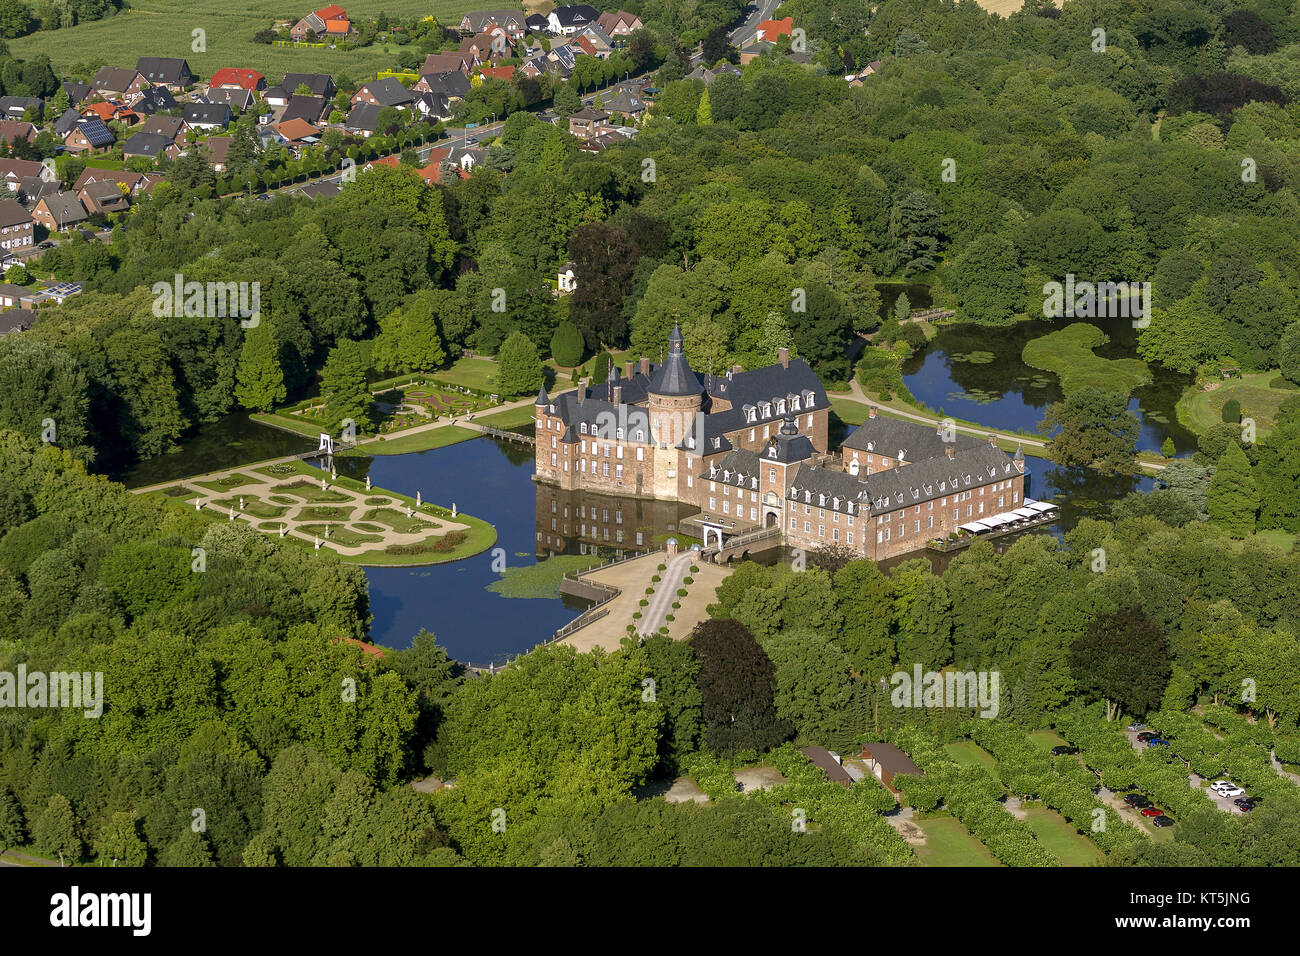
<point>583,428</point>
<point>780,406</point>
<point>771,452</point>
<point>767,409</point>
<point>794,403</point>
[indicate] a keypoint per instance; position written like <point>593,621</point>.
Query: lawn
<point>420,441</point>
<point>1047,739</point>
<point>165,28</point>
<point>510,418</point>
<point>1068,352</point>
<point>227,483</point>
<point>252,506</point>
<point>1255,392</point>
<point>1061,839</point>
<point>290,423</point>
<point>541,580</point>
<point>1284,540</point>
<point>967,753</point>
<point>472,373</point>
<point>948,843</point>
<point>311,492</point>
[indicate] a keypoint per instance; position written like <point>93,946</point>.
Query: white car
<point>1226,788</point>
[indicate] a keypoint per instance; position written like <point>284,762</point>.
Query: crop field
<point>166,28</point>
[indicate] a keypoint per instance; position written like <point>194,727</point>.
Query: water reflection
<point>581,522</point>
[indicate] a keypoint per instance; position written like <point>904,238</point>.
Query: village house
<point>18,107</point>
<point>297,133</point>
<point>216,149</point>
<point>386,92</point>
<point>331,22</point>
<point>110,112</point>
<point>238,101</point>
<point>15,171</point>
<point>234,78</point>
<point>626,103</point>
<point>133,182</point>
<point>169,71</point>
<point>90,135</point>
<point>568,20</point>
<point>707,76</point>
<point>156,99</point>
<point>173,127</point>
<point>456,62</point>
<point>11,131</point>
<point>304,107</point>
<point>59,211</point>
<point>771,29</point>
<point>206,116</point>
<point>885,761</point>
<point>16,227</point>
<point>829,764</point>
<point>77,92</point>
<point>479,21</point>
<point>566,282</point>
<point>16,320</point>
<point>619,25</point>
<point>11,295</point>
<point>434,107</point>
<point>32,188</point>
<point>449,83</point>
<point>316,84</point>
<point>113,82</point>
<point>588,122</point>
<point>363,121</point>
<point>149,146</point>
<point>103,196</point>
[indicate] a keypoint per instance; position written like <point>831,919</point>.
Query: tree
<point>1232,412</point>
<point>259,382</point>
<point>519,367</point>
<point>1096,429</point>
<point>704,112</point>
<point>902,307</point>
<point>1122,658</point>
<point>567,345</point>
<point>717,46</point>
<point>988,282</point>
<point>567,101</point>
<point>1234,497</point>
<point>13,831</point>
<point>604,262</point>
<point>119,841</point>
<point>343,386</point>
<point>58,831</point>
<point>737,683</point>
<point>1288,353</point>
<point>1167,447</point>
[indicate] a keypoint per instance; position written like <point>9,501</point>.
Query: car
<point>46,245</point>
<point>1157,742</point>
<point>1247,803</point>
<point>1152,812</point>
<point>1136,727</point>
<point>471,140</point>
<point>1137,800</point>
<point>1162,821</point>
<point>1225,789</point>
<point>1060,751</point>
<point>1147,735</point>
<point>265,197</point>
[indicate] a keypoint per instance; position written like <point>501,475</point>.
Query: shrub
<point>644,602</point>
<point>681,592</point>
<point>688,580</point>
<point>1232,411</point>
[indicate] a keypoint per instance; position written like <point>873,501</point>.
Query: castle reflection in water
<point>583,522</point>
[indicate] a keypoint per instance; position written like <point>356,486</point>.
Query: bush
<point>1232,412</point>
<point>644,602</point>
<point>681,592</point>
<point>567,345</point>
<point>688,580</point>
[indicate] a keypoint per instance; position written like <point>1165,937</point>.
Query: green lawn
<point>472,373</point>
<point>421,441</point>
<point>510,418</point>
<point>1061,839</point>
<point>292,423</point>
<point>1068,352</point>
<point>1254,392</point>
<point>967,753</point>
<point>1047,739</point>
<point>227,483</point>
<point>948,843</point>
<point>165,28</point>
<point>1285,540</point>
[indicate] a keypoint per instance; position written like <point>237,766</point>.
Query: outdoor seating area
<point>1030,513</point>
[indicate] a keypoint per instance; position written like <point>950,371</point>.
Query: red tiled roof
<point>587,46</point>
<point>333,11</point>
<point>499,72</point>
<point>337,25</point>
<point>771,29</point>
<point>235,76</point>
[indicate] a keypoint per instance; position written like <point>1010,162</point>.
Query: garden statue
<point>283,528</point>
<point>367,482</point>
<point>418,500</point>
<point>322,483</point>
<point>316,542</point>
<point>453,509</point>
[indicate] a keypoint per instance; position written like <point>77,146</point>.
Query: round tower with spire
<point>674,398</point>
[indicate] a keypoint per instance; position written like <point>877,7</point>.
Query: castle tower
<point>674,399</point>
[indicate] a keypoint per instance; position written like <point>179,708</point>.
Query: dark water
<point>1008,394</point>
<point>918,296</point>
<point>492,480</point>
<point>227,443</point>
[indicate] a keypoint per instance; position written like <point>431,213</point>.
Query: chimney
<point>645,366</point>
<point>993,439</point>
<point>582,390</point>
<point>783,356</point>
<point>871,411</point>
<point>618,394</point>
<point>627,369</point>
<point>736,370</point>
<point>950,451</point>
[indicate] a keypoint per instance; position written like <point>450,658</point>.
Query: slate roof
<point>675,377</point>
<point>903,486</point>
<point>236,99</point>
<point>164,69</point>
<point>575,15</point>
<point>448,83</point>
<point>203,114</point>
<point>15,106</point>
<point>31,189</point>
<point>12,213</point>
<point>64,208</point>
<point>896,438</point>
<point>319,84</point>
<point>304,107</point>
<point>66,123</point>
<point>115,79</point>
<point>364,116</point>
<point>146,144</point>
<point>169,126</point>
<point>105,195</point>
<point>156,99</point>
<point>77,92</point>
<point>389,92</point>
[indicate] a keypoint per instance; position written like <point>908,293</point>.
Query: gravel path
<point>661,602</point>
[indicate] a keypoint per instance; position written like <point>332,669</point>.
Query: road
<point>759,12</point>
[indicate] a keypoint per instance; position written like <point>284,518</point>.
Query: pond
<point>975,373</point>
<point>226,443</point>
<point>492,480</point>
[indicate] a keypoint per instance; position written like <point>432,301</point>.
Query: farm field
<point>1060,839</point>
<point>165,28</point>
<point>948,843</point>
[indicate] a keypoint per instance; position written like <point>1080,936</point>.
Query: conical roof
<point>542,398</point>
<point>674,376</point>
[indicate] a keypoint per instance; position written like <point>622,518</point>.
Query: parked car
<point>1157,742</point>
<point>1163,821</point>
<point>1152,812</point>
<point>1136,727</point>
<point>471,140</point>
<point>1137,800</point>
<point>46,245</point>
<point>1246,805</point>
<point>1060,751</point>
<point>1225,789</point>
<point>1147,735</point>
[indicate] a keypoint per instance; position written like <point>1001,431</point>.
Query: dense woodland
<point>225,688</point>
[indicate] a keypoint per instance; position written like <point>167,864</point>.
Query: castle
<point>748,450</point>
